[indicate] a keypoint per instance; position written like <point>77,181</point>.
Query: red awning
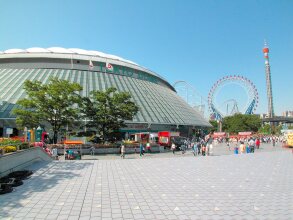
<point>219,134</point>
<point>245,133</point>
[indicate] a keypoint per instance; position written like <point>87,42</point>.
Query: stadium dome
<point>160,108</point>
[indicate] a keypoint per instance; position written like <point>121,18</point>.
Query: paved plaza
<point>250,186</point>
<point>218,150</point>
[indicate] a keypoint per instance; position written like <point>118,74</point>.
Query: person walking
<point>173,148</point>
<point>242,147</point>
<point>228,144</point>
<point>203,150</point>
<point>198,148</point>
<point>141,149</point>
<point>251,145</point>
<point>247,148</point>
<point>206,149</point>
<point>194,148</point>
<point>55,153</point>
<point>92,151</point>
<point>274,141</point>
<point>211,150</point>
<point>236,149</point>
<point>183,148</point>
<point>209,144</point>
<point>78,155</point>
<point>257,143</point>
<point>122,151</point>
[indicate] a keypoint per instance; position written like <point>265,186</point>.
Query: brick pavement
<point>253,186</point>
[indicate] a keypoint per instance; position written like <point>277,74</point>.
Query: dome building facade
<point>160,108</point>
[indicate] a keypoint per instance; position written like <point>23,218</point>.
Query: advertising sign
<point>9,131</point>
<point>290,139</point>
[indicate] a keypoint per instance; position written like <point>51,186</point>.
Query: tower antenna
<point>268,80</point>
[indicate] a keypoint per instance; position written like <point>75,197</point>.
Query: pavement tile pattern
<point>252,186</point>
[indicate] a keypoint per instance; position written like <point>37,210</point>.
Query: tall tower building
<point>268,81</point>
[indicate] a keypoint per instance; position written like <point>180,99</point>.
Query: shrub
<point>8,141</point>
<point>24,146</point>
<point>9,149</point>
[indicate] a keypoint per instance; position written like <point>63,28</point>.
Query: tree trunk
<point>103,135</point>
<point>55,137</point>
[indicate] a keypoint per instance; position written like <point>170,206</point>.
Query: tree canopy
<point>268,129</point>
<point>106,111</point>
<point>52,103</point>
<point>240,122</point>
<point>214,123</point>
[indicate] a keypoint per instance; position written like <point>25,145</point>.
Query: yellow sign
<point>290,139</point>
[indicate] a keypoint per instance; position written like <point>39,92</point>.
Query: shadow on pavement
<point>43,179</point>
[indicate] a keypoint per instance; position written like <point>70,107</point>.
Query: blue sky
<point>191,40</point>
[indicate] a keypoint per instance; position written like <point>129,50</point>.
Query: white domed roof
<point>58,50</point>
<point>76,53</point>
<point>37,50</point>
<point>61,50</point>
<point>79,51</point>
<point>98,53</point>
<point>15,51</point>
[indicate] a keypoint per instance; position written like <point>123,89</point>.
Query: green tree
<point>270,129</point>
<point>240,122</point>
<point>215,124</point>
<point>277,129</point>
<point>29,119</point>
<point>107,110</point>
<point>265,129</point>
<point>51,103</point>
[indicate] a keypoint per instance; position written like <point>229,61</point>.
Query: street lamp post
<point>54,132</point>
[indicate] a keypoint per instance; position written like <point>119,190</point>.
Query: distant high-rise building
<point>287,114</point>
<point>263,115</point>
<point>268,82</point>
